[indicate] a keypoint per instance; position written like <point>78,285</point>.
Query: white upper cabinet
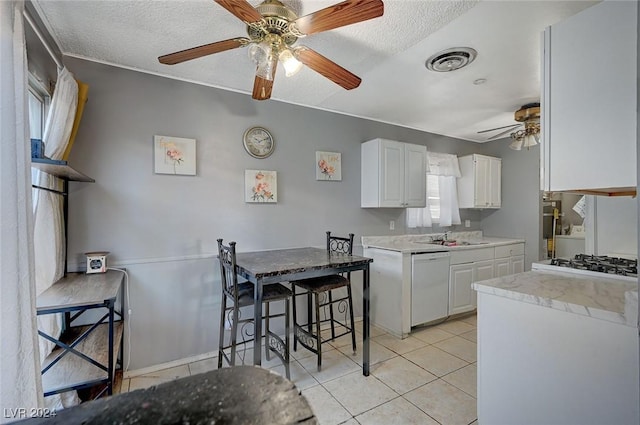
<point>480,185</point>
<point>393,174</point>
<point>589,100</point>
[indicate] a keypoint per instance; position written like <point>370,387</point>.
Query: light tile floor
<point>428,378</point>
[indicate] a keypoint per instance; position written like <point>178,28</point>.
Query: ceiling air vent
<point>451,59</point>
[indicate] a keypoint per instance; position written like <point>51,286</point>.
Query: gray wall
<point>616,226</point>
<point>519,216</point>
<point>163,228</point>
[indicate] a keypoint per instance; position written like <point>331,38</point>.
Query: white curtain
<point>50,243</point>
<point>449,211</point>
<point>446,167</point>
<point>20,381</point>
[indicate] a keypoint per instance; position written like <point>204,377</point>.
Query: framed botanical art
<point>174,155</point>
<point>261,186</point>
<point>328,166</point>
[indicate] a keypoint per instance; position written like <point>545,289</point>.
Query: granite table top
<point>280,262</point>
<point>420,243</point>
<point>601,298</point>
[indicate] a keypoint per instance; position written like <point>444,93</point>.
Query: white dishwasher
<point>429,287</point>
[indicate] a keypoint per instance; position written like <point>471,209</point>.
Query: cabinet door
<point>392,174</point>
<point>415,164</point>
<point>482,270</point>
<point>495,183</point>
<point>589,100</point>
<point>483,178</point>
<point>517,264</point>
<point>461,297</point>
<point>502,267</point>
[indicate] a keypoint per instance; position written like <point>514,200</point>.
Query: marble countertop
<point>601,298</point>
<point>419,243</point>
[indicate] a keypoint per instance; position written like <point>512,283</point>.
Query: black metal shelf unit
<point>65,173</point>
<point>85,354</point>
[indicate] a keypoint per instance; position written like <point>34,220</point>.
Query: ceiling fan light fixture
<point>273,28</point>
<point>529,114</point>
<point>259,52</point>
<point>529,140</point>
<point>291,65</point>
<point>267,68</point>
<point>516,145</point>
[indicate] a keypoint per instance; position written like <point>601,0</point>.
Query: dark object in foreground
<point>237,395</point>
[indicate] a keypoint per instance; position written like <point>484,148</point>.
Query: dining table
<point>281,265</point>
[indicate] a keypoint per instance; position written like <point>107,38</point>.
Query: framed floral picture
<point>329,166</point>
<point>261,186</point>
<point>174,155</point>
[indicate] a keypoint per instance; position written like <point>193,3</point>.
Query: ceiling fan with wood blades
<point>273,29</point>
<point>526,132</point>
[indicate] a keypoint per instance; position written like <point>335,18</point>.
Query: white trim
<point>184,361</point>
<point>200,83</point>
<point>175,363</point>
<point>43,40</point>
<point>81,266</point>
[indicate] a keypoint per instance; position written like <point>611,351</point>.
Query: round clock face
<point>258,142</point>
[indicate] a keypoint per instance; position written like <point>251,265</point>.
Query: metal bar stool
<point>241,295</point>
<point>309,334</point>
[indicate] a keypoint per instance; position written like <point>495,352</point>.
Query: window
<point>433,197</point>
<point>38,107</point>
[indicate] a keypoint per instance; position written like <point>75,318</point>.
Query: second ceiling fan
<point>273,29</point>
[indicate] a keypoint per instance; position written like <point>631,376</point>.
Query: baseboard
<point>179,362</point>
<point>174,363</point>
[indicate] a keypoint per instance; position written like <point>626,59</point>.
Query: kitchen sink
<point>453,243</point>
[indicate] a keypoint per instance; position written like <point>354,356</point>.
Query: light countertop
<point>601,298</point>
<point>419,243</point>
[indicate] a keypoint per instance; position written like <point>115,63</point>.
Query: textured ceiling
<point>388,53</point>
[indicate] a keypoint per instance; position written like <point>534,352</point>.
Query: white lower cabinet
<point>461,296</point>
<point>502,267</point>
<point>517,264</point>
<point>509,259</point>
<point>468,266</point>
<point>399,301</point>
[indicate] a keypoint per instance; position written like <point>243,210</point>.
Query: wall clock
<point>258,142</point>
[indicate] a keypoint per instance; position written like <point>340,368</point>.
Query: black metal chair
<point>240,294</point>
<point>309,334</point>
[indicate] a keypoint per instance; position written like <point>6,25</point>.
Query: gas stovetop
<point>599,263</point>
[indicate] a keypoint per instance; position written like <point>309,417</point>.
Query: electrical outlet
<point>392,225</point>
<point>467,223</point>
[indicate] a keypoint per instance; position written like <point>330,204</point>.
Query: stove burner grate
<point>599,263</point>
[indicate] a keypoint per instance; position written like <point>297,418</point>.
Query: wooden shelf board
<point>81,289</point>
<point>59,169</point>
<point>72,371</point>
